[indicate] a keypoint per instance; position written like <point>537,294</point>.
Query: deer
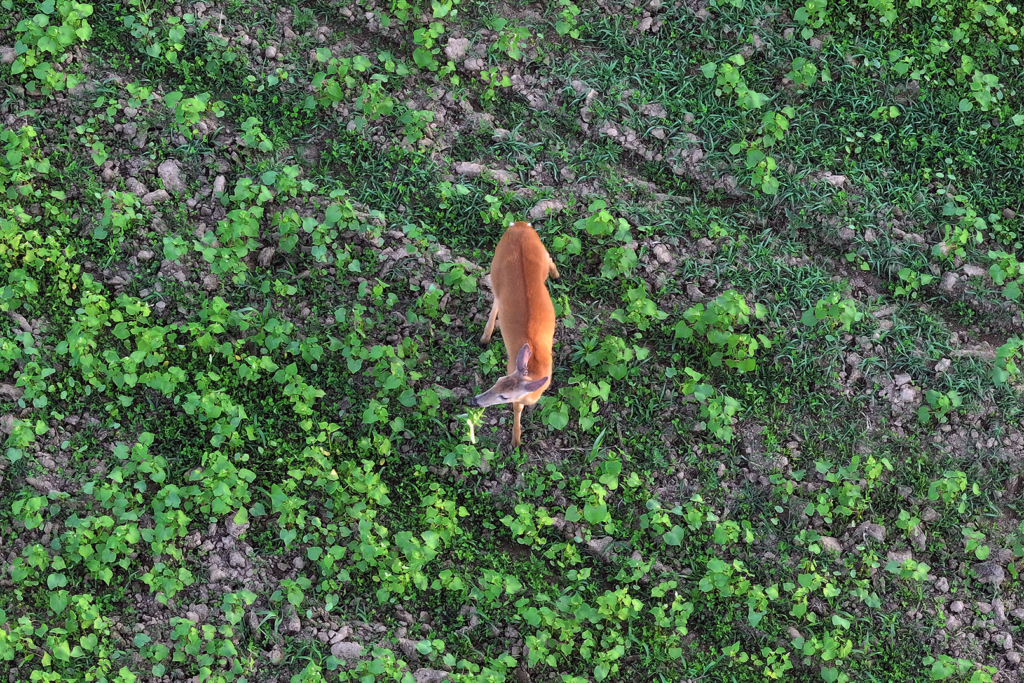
<point>526,317</point>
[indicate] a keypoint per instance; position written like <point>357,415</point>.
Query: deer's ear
<point>523,359</point>
<point>535,385</point>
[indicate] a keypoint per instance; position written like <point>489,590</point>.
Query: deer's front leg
<point>517,409</point>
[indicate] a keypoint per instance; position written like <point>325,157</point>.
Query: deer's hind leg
<point>489,329</point>
<point>552,270</point>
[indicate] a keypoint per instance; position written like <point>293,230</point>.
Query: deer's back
<point>525,312</point>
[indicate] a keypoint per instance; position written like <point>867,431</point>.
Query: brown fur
<point>526,317</point>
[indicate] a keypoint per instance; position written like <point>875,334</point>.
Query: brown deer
<point>526,317</point>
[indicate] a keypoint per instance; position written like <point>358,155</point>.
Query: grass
<point>225,458</point>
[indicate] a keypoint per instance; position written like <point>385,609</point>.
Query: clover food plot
<point>244,253</point>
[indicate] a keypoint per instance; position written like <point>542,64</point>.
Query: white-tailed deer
<point>526,317</point>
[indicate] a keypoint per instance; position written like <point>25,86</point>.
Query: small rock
<point>473,64</point>
<point>866,530</point>
<point>919,539</point>
<point>645,24</point>
<point>545,208</point>
<point>218,573</point>
<point>1008,213</point>
<point>346,650</point>
<point>499,176</point>
<point>456,48</point>
<point>40,485</point>
<point>430,676</point>
<point>211,282</point>
<point>929,515</point>
<point>276,655</point>
<point>155,197</point>
<point>974,271</point>
<point>135,187</point>
<point>999,613</point>
<point>7,55</point>
<point>408,648</point>
<point>830,544</point>
<point>662,253</point>
<point>654,109</point>
<point>956,607</point>
<point>793,633</point>
<point>900,380</point>
<point>237,559</point>
<point>706,246</point>
<point>1006,639</point>
<point>948,281</point>
<point>598,546</point>
<point>983,607</point>
<point>144,255</point>
<point>1013,658</point>
<point>900,556</point>
<point>942,585</point>
<point>11,392</point>
<point>270,52</point>
<point>220,183</point>
<point>884,312</point>
<point>235,530</point>
<point>468,168</point>
<point>1003,556</point>
<point>990,573</point>
<point>266,256</point>
<point>170,173</point>
<point>836,181</point>
<point>943,365</point>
